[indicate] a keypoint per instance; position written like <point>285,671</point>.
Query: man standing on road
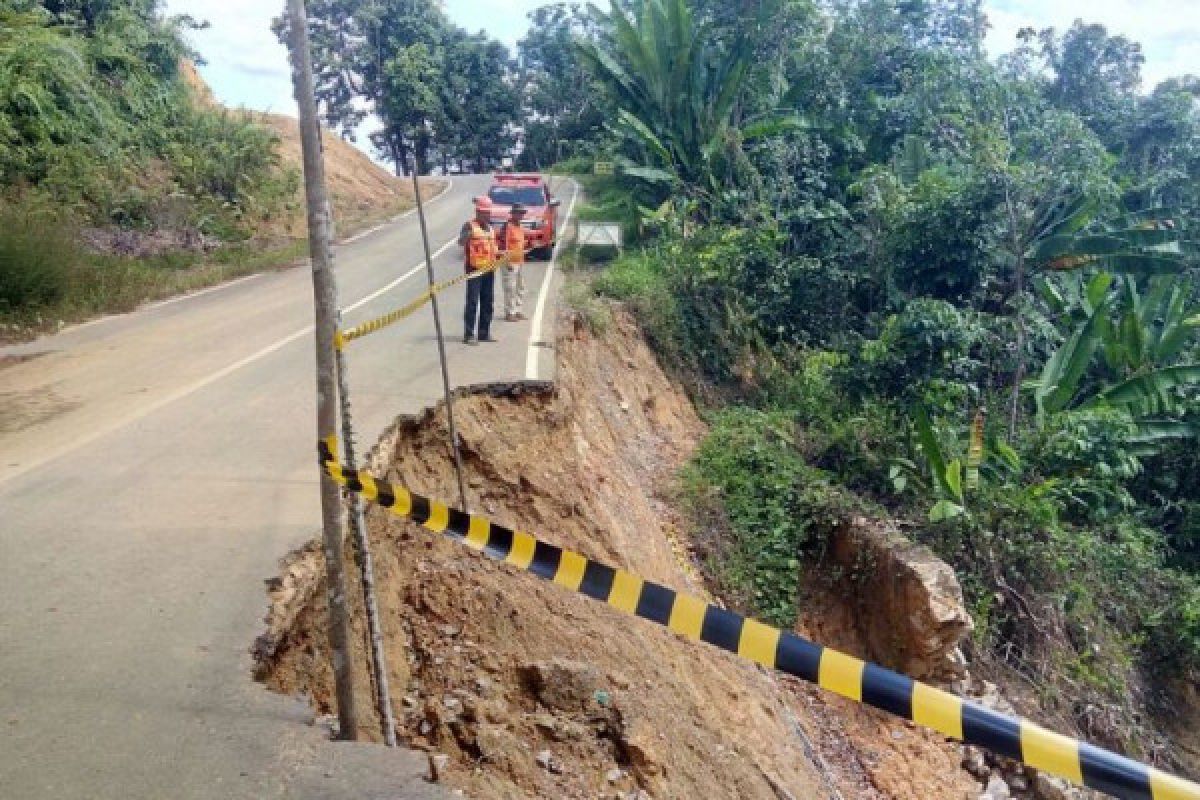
<point>478,241</point>
<point>513,275</point>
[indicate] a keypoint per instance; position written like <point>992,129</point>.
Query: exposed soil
<point>535,692</point>
<point>362,192</point>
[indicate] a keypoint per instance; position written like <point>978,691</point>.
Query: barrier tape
<point>342,338</point>
<point>842,674</point>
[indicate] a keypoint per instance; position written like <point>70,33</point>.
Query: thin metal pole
<point>358,527</point>
<point>437,324</point>
<point>320,238</point>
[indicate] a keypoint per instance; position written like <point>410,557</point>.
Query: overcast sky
<point>248,67</point>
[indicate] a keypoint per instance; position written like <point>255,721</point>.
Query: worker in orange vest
<point>481,250</point>
<point>512,237</point>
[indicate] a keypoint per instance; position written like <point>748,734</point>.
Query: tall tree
<point>430,84</point>
<point>1162,147</point>
<point>480,99</point>
<point>1095,75</point>
<point>336,33</point>
<point>565,107</point>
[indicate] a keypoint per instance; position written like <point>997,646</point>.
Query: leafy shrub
<point>574,165</point>
<point>686,328</point>
<point>94,112</point>
<point>224,155</point>
<point>1088,458</point>
<point>930,340</point>
<point>639,280</point>
<point>37,255</point>
<point>804,381</point>
<point>788,299</point>
<point>1175,637</point>
<point>939,246</point>
<point>749,475</point>
<point>593,310</point>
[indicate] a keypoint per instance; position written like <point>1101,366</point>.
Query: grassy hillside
<point>121,178</point>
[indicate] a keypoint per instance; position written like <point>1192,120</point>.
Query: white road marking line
<point>398,217</point>
<point>193,295</point>
<point>418,268</point>
<point>147,307</point>
<point>535,334</point>
<point>54,455</point>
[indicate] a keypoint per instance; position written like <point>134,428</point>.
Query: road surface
<point>153,469</point>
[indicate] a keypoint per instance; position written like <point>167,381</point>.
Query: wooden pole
<point>320,241</point>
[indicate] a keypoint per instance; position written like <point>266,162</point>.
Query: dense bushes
<point>37,254</point>
<point>1073,559</point>
<point>750,480</point>
<point>102,140</point>
<point>94,112</point>
<point>938,293</point>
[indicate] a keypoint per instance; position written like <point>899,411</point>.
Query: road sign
<point>599,234</point>
<point>605,168</point>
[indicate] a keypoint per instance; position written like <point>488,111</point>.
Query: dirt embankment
<point>532,691</point>
<point>362,192</point>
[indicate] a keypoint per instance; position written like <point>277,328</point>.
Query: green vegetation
<point>448,98</point>
<point>444,96</point>
<point>750,478</point>
<point>959,292</point>
<point>100,138</point>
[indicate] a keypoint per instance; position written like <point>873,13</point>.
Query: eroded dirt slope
<point>534,692</point>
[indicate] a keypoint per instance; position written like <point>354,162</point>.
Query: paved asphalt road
<point>153,469</point>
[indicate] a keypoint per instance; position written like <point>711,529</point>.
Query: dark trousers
<point>481,295</point>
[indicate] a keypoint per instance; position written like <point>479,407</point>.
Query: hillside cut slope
<point>362,192</point>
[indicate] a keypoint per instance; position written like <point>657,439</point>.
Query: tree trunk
<point>1018,249</point>
<point>325,301</point>
<point>399,153</point>
<point>421,152</point>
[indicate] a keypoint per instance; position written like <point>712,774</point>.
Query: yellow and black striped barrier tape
<point>1015,738</point>
<point>344,337</point>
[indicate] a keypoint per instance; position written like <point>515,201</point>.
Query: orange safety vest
<point>514,242</point>
<point>481,247</point>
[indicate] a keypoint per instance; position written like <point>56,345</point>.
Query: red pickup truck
<point>541,218</point>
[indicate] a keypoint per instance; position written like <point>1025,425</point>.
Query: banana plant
<point>1062,374</point>
<point>949,477</point>
<point>1140,337</point>
<point>1153,329</point>
<point>677,88</point>
<point>1071,237</point>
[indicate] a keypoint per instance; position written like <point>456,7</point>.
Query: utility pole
<point>320,245</point>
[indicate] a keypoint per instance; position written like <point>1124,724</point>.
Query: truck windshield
<point>525,195</point>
